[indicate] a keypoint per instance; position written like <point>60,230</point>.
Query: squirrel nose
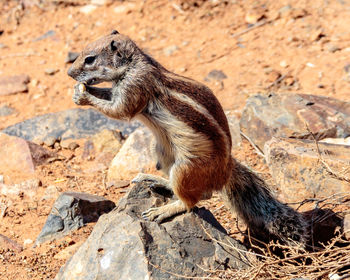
<point>71,72</point>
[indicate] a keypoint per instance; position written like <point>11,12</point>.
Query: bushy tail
<point>250,198</point>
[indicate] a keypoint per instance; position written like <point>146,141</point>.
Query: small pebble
<point>73,145</point>
<point>51,71</point>
<point>50,141</point>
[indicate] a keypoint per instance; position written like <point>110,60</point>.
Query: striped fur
<point>192,132</point>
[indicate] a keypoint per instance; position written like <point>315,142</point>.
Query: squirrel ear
<point>114,32</point>
<point>113,46</point>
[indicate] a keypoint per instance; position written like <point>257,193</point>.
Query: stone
<point>346,226</point>
<point>66,253</point>
<point>168,51</point>
<point>6,111</point>
<point>124,8</point>
<point>69,124</point>
<point>87,9</point>
<point>108,141</point>
<point>71,211</point>
<point>255,14</point>
<point>46,35</point>
<point>13,84</point>
<point>51,71</point>
<point>339,141</point>
<point>296,168</point>
<point>19,155</point>
<point>294,116</point>
<point>233,123</point>
<point>50,193</point>
<point>7,243</point>
<point>28,188</point>
<point>71,57</point>
<point>217,75</point>
<point>135,156</point>
<point>124,246</point>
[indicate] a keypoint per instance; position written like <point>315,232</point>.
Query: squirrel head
<point>105,60</point>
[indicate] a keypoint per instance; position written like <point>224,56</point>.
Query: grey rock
<point>6,111</point>
<point>217,75</point>
<point>68,124</point>
<point>291,115</point>
<point>347,68</point>
<point>124,246</point>
<point>46,35</point>
<point>71,57</point>
<point>71,211</point>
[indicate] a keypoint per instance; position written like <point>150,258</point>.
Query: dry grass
<point>321,261</point>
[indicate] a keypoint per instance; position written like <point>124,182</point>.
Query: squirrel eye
<point>90,59</point>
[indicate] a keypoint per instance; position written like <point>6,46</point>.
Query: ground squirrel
<point>192,132</point>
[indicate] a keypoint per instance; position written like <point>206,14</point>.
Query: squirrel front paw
<point>80,96</point>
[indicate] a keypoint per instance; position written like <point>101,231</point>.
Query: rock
<point>233,123</point>
<point>346,226</point>
<point>7,243</point>
<point>332,48</point>
<point>28,188</point>
<point>339,141</point>
<point>50,141</point>
<point>66,253</point>
<point>50,193</point>
<point>124,8</point>
<point>87,9</point>
<point>291,115</point>
<point>71,57</point>
<point>17,154</point>
<point>347,68</point>
<point>13,84</point>
<point>168,51</point>
<point>46,35</point>
<point>108,141</point>
<point>124,246</point>
<point>51,71</point>
<point>71,211</point>
<point>255,14</point>
<point>273,76</point>
<point>135,156</point>
<point>68,124</point>
<point>101,2</point>
<point>6,111</point>
<point>296,168</point>
<point>217,75</point>
<point>69,144</point>
<point>316,35</point>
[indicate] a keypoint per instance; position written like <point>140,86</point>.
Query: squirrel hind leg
<point>159,214</point>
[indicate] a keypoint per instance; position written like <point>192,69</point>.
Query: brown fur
<point>192,132</point>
